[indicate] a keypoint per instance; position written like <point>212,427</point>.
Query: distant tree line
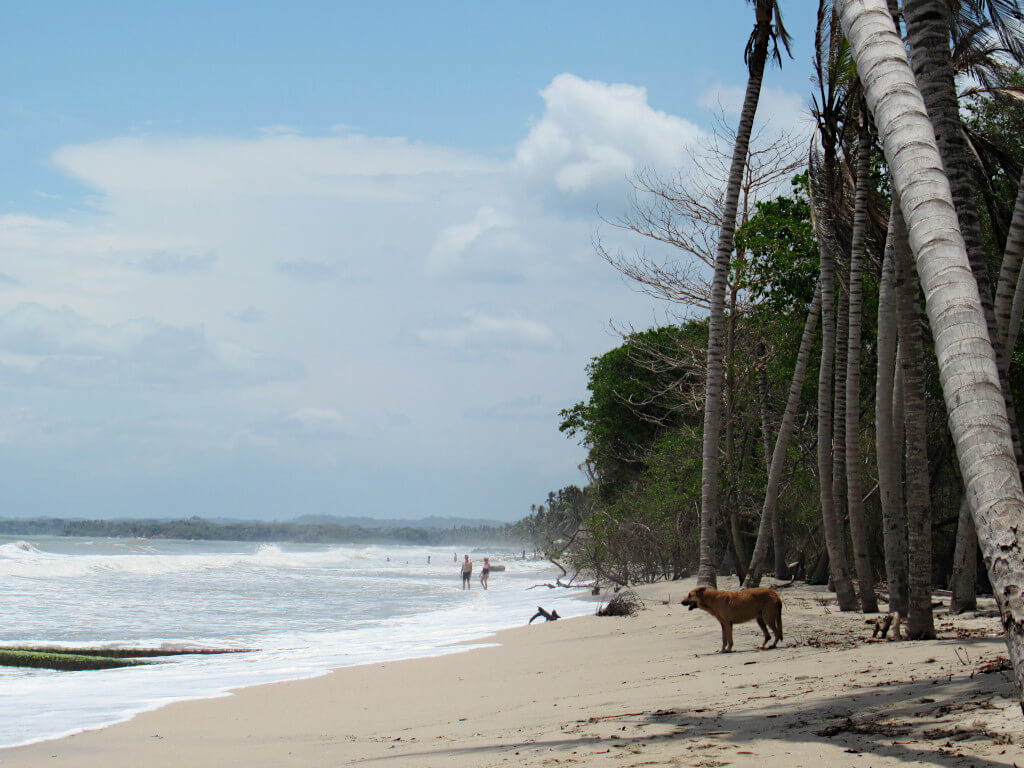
<point>198,529</point>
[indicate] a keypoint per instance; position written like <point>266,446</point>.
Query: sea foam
<point>308,608</point>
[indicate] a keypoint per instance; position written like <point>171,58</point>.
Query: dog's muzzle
<point>691,605</point>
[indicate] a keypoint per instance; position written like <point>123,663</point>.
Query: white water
<point>309,608</point>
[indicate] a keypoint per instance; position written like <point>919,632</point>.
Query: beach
<point>650,689</point>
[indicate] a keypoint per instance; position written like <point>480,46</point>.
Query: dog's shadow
<point>709,654</point>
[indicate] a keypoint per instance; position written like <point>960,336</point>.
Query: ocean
<point>308,608</point>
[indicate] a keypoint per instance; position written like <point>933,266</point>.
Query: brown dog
<point>736,607</point>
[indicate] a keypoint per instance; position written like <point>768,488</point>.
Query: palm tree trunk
<point>839,406</point>
<point>716,320</point>
<point>778,526</point>
<point>771,496</point>
<point>854,480</point>
<point>967,361</point>
<point>928,36</point>
<point>832,525</point>
<point>1007,291</point>
<point>1015,315</point>
<point>963,584</point>
<point>762,392</point>
<point>920,624</point>
<point>890,481</point>
<point>731,501</point>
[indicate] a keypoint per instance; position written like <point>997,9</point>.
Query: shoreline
<point>340,607</point>
<point>304,669</point>
<point>607,690</point>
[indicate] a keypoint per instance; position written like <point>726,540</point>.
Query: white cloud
<point>286,164</point>
<point>169,261</point>
<point>595,134</point>
<point>250,314</point>
<point>219,281</point>
<point>59,347</point>
<point>320,422</point>
<point>781,110</point>
<point>490,247</point>
<point>477,330</point>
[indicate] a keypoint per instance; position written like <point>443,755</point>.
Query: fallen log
<point>124,653</point>
<point>62,661</point>
<point>552,616</point>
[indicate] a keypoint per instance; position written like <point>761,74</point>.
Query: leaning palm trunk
<point>963,584</point>
<point>716,320</point>
<point>928,36</point>
<point>967,363</point>
<point>920,624</point>
<point>778,533</point>
<point>890,482</point>
<point>771,496</point>
<point>1008,292</point>
<point>1016,313</point>
<point>731,502</point>
<point>854,480</point>
<point>831,523</point>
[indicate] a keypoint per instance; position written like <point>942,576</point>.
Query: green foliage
<point>625,413</point>
<point>548,527</point>
<point>644,431</point>
<point>651,530</point>
<point>779,262</point>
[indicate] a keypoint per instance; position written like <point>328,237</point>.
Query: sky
<point>263,260</point>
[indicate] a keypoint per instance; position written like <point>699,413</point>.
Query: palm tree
<point>920,624</point>
<point>1008,291</point>
<point>967,362</point>
<point>834,72</point>
<point>890,483</point>
<point>929,25</point>
<point>842,266</point>
<point>963,582</point>
<point>854,479</point>
<point>973,36</point>
<point>778,456</point>
<point>768,32</point>
<point>831,522</point>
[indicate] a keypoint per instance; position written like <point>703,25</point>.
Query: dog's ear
<point>700,590</point>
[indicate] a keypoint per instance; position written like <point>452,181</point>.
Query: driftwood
<point>565,585</point>
<point>626,603</point>
<point>883,624</point>
<point>553,616</point>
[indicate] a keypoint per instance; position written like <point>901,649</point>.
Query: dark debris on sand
<point>626,603</point>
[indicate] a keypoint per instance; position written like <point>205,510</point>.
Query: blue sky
<point>264,259</point>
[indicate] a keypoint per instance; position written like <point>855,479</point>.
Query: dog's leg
<point>764,628</point>
<point>777,628</point>
<point>726,639</point>
<point>728,633</point>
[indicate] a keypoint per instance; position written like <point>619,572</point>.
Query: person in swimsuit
<point>467,571</point>
<point>485,572</point>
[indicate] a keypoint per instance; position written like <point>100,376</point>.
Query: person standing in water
<point>485,572</point>
<point>467,572</point>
